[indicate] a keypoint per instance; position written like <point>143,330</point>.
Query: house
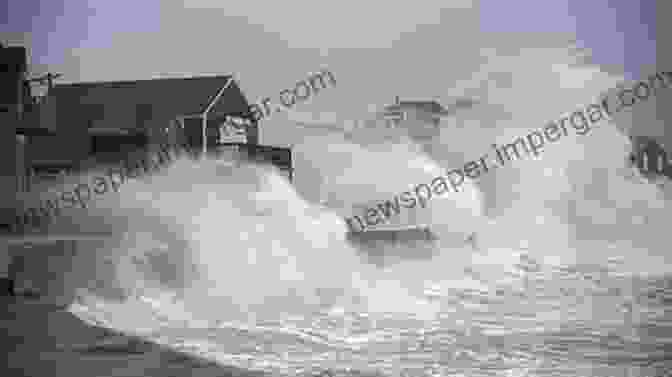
<point>421,118</point>
<point>102,118</point>
<point>78,124</point>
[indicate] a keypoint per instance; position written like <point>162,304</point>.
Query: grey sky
<point>376,49</point>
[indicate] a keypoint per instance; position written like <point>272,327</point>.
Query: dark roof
<point>195,93</point>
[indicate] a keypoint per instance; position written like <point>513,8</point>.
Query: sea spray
<point>352,179</point>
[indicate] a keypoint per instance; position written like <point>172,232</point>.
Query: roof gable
<point>232,102</point>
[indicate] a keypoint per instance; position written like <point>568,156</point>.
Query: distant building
<point>420,118</point>
<point>429,110</point>
<point>650,157</point>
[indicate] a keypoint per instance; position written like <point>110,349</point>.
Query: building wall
<point>101,109</point>
<point>8,172</point>
<point>70,143</point>
<point>8,182</point>
<point>13,61</point>
<point>664,63</point>
<point>21,166</point>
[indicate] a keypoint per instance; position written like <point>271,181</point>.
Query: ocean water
<point>570,274</point>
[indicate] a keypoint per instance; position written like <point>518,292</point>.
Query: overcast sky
<point>376,49</point>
